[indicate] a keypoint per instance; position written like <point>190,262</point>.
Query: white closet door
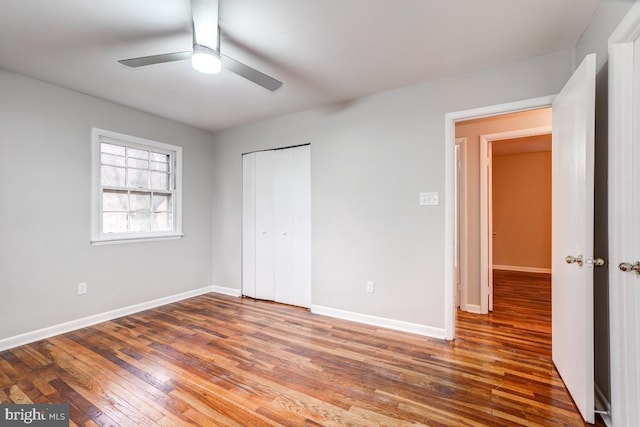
<point>276,226</point>
<point>301,185</point>
<point>265,232</point>
<point>283,225</point>
<point>249,225</point>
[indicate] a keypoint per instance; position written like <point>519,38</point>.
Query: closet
<point>276,225</point>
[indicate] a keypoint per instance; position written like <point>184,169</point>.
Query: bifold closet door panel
<point>283,226</point>
<point>266,169</point>
<point>249,225</point>
<point>301,187</point>
<point>276,226</point>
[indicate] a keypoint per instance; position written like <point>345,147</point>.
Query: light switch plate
<point>429,199</point>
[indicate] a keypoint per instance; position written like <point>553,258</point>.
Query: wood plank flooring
<point>217,360</point>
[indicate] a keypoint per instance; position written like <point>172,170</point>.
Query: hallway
<point>515,339</point>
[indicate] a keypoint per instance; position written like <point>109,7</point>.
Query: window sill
<point>126,240</point>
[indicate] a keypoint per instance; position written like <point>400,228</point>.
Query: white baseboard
<point>232,292</point>
<point>50,331</point>
<point>603,404</point>
<point>473,308</point>
<point>522,268</point>
<point>398,325</point>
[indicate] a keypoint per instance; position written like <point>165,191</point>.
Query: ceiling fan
<point>205,55</point>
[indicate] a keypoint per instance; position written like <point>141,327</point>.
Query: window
<point>136,189</point>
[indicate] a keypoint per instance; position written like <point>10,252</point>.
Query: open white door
<point>572,235</point>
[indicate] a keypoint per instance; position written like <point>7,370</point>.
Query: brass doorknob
<point>626,267</point>
<point>574,260</point>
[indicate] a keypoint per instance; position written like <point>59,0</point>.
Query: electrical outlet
<point>370,287</point>
<point>82,288</point>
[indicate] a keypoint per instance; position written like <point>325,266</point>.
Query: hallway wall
<point>522,210</point>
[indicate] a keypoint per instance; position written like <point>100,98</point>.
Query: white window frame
<point>97,236</point>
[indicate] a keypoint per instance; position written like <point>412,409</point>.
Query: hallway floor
<point>517,335</point>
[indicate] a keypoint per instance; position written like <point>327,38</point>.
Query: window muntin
<point>137,193</point>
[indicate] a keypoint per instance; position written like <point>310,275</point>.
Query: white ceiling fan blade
<point>156,59</point>
<point>205,23</point>
<point>251,74</point>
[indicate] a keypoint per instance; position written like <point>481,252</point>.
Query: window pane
<point>159,157</point>
<point>137,178</point>
<point>136,163</point>
<point>140,222</point>
<point>163,167</point>
<point>162,221</point>
<point>112,149</point>
<point>140,201</point>
<point>159,181</point>
<point>115,201</point>
<point>161,202</point>
<point>114,222</point>
<point>138,154</point>
<point>112,176</point>
<point>111,159</point>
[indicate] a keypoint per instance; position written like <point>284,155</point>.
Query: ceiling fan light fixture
<point>205,60</point>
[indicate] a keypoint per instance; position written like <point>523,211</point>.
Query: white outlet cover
<point>430,198</point>
<point>370,286</point>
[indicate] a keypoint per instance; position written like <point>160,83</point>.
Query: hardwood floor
<point>217,360</point>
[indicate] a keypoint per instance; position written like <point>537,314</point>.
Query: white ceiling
<point>325,51</point>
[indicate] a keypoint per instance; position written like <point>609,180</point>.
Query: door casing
<point>486,229</point>
<point>460,291</point>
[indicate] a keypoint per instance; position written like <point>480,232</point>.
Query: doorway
<point>450,246</point>
<point>515,203</point>
<point>519,143</point>
<point>573,227</point>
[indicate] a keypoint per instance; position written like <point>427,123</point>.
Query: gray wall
<point>45,135</point>
<point>604,22</point>
<point>369,160</point>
